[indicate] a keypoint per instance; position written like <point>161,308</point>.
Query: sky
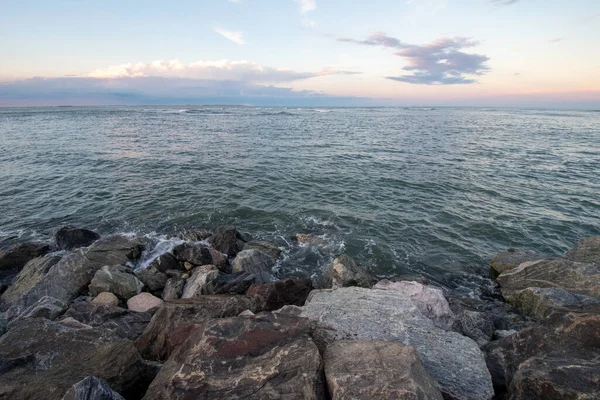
<point>515,53</point>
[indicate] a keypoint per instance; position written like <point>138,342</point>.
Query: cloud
<point>236,37</point>
<point>307,5</point>
<point>441,62</point>
<point>555,40</point>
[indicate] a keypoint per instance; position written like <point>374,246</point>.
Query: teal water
<point>432,191</point>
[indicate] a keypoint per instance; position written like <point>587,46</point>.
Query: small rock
<point>152,278</point>
<point>344,272</point>
<point>173,289</point>
<point>188,266</point>
<point>247,313</point>
<point>116,279</point>
<point>106,298</point>
<point>586,250</point>
<point>199,282</point>
<point>270,249</point>
<point>166,262</point>
<point>510,259</point>
<point>310,239</point>
<point>255,262</point>
<point>92,388</point>
<point>274,295</point>
<point>185,276</point>
<point>193,254</point>
<point>227,240</point>
<point>68,238</point>
<point>143,302</point>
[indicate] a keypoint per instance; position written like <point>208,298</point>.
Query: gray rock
<point>453,360</point>
<point>237,282</point>
<point>91,388</point>
<point>18,256</point>
<point>386,370</point>
<point>173,289</point>
<point>274,295</point>
<point>227,240</point>
<point>477,325</point>
<point>31,274</point>
<point>166,262</point>
<point>106,298</point>
<point>586,250</point>
<point>195,254</point>
<point>198,284</point>
<point>255,262</point>
<point>270,249</point>
<point>116,279</point>
<point>46,307</point>
<point>195,235</point>
<point>510,259</point>
<point>541,302</point>
<point>152,278</point>
<point>3,324</point>
<point>68,238</point>
<point>344,272</point>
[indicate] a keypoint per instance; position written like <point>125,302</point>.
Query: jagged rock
<point>219,260</point>
<point>68,238</point>
<point>153,342</point>
<point>106,298</point>
<point>31,274</point>
<point>166,262</point>
<point>194,254</point>
<point>116,279</point>
<point>266,357</point>
<point>143,302</point>
<point>173,289</point>
<point>541,302</point>
<point>269,249</point>
<point>115,322</point>
<point>114,250</point>
<point>195,235</point>
<point>274,295</point>
<point>586,250</point>
<point>255,262</point>
<point>18,256</point>
<point>199,282</point>
<point>453,360</point>
<point>576,277</point>
<point>46,307</point>
<point>92,388</point>
<point>227,240</point>
<point>152,278</point>
<point>237,282</point>
<point>344,272</point>
<point>386,370</point>
<point>510,259</point>
<point>428,299</point>
<point>40,358</point>
<point>503,316</point>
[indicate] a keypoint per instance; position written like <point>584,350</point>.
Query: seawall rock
<point>31,274</point>
<point>68,238</point>
<point>586,250</point>
<point>510,259</point>
<point>92,388</point>
<point>344,272</point>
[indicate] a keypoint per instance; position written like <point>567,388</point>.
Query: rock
<point>91,388</point>
<point>477,325</point>
<point>114,250</point>
<point>68,238</point>
<point>114,322</point>
<point>411,278</point>
<point>175,273</point>
<point>428,299</point>
<point>510,259</point>
<point>3,326</point>
<point>501,334</point>
<point>310,239</point>
<point>73,323</point>
<point>195,235</point>
<point>143,302</point>
<point>269,249</point>
<point>188,266</point>
<point>116,279</point>
<point>106,298</point>
<point>541,302</point>
<point>267,357</point>
<point>198,283</point>
<point>586,251</point>
<point>219,260</point>
<point>31,274</point>
<point>344,272</point>
<point>453,360</point>
<point>193,254</point>
<point>502,315</point>
<point>227,240</point>
<point>386,370</point>
<point>153,342</point>
<point>173,289</point>
<point>18,256</point>
<point>236,283</point>
<point>274,295</point>
<point>165,262</point>
<point>46,307</point>
<point>255,262</point>
<point>555,359</point>
<point>576,277</point>
<point>152,278</point>
<point>247,313</point>
<point>40,358</point>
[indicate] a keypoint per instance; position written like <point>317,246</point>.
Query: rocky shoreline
<point>207,320</point>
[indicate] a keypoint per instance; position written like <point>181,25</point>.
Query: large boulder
<point>227,240</point>
<point>541,302</point>
<point>20,255</point>
<point>153,342</point>
<point>344,272</point>
<point>255,262</point>
<point>152,278</point>
<point>510,259</point>
<point>264,357</point>
<point>40,358</point>
<point>115,322</point>
<point>166,262</point>
<point>586,250</point>
<point>194,254</point>
<point>197,284</point>
<point>31,274</point>
<point>116,279</point>
<point>274,295</point>
<point>453,360</point>
<point>68,238</point>
<point>386,370</point>
<point>555,359</point>
<point>92,388</point>
<point>270,249</point>
<point>235,283</point>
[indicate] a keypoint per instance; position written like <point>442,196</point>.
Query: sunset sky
<point>534,53</point>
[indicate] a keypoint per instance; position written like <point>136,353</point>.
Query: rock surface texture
<point>144,302</point>
<point>197,284</point>
<point>510,259</point>
<point>274,295</point>
<point>31,274</point>
<point>92,388</point>
<point>254,262</point>
<point>344,272</point>
<point>68,238</point>
<point>227,240</point>
<point>586,250</point>
<point>116,279</point>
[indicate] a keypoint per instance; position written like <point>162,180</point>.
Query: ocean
<point>432,191</point>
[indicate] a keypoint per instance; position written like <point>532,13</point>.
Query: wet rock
<point>344,272</point>
<point>143,302</point>
<point>227,240</point>
<point>541,302</point>
<point>586,251</point>
<point>428,299</point>
<point>198,283</point>
<point>235,283</point>
<point>219,260</point>
<point>453,360</point>
<point>18,256</point>
<point>114,250</point>
<point>165,262</point>
<point>153,342</point>
<point>106,298</point>
<point>3,326</point>
<point>152,278</point>
<point>43,359</point>
<point>267,357</point>
<point>116,279</point>
<point>310,239</point>
<point>173,289</point>
<point>411,278</point>
<point>31,274</point>
<point>68,237</point>
<point>274,295</point>
<point>510,259</point>
<point>195,235</point>
<point>91,388</point>
<point>386,370</point>
<point>269,249</point>
<point>255,262</point>
<point>46,307</point>
<point>193,254</point>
